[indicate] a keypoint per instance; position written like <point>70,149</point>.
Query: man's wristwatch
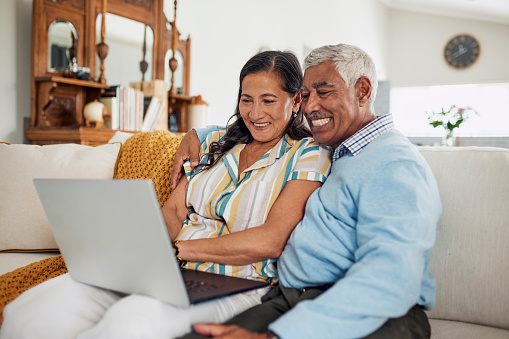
<point>272,335</point>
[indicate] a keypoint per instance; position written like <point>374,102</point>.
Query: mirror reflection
<point>179,72</point>
<point>62,44</point>
<point>126,39</point>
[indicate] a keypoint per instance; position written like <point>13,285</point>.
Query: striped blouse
<point>220,202</point>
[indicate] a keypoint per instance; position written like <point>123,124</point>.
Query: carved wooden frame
<point>48,86</point>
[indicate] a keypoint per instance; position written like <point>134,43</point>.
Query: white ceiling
<point>486,10</point>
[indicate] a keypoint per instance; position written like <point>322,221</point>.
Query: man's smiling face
<point>334,111</point>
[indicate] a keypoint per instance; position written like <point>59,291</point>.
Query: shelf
<point>72,135</point>
<point>72,81</point>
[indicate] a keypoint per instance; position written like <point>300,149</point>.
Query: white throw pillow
<point>120,136</point>
<point>23,223</point>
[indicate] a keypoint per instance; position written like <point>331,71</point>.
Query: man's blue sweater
<point>369,231</point>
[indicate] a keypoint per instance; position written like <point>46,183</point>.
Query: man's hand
<point>226,332</point>
<point>189,149</point>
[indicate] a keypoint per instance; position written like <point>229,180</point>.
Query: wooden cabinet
<point>58,95</point>
<point>59,100</point>
<point>179,107</point>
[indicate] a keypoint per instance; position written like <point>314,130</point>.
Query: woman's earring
<point>294,114</point>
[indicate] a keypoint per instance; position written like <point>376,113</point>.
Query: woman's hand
<point>189,149</point>
<point>226,331</point>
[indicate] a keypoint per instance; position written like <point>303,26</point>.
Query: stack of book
<point>125,106</point>
<point>131,110</point>
<point>155,89</point>
<point>152,114</point>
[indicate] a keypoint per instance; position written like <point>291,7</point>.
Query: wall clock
<point>461,51</point>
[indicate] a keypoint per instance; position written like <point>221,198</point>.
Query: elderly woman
<point>233,216</point>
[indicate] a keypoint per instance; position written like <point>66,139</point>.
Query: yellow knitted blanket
<point>147,155</point>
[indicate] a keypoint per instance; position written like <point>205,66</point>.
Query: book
<point>161,111</point>
<point>152,115</point>
<point>112,105</point>
<point>139,109</point>
<point>156,88</point>
<point>146,103</point>
<point>112,91</point>
<point>112,101</point>
<point>130,108</point>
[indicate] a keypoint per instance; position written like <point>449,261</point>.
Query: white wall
<point>416,45</point>
<point>15,39</point>
<point>226,33</point>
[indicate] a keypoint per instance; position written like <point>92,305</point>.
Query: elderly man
<point>358,263</point>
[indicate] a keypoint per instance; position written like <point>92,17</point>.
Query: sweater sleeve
<point>397,213</point>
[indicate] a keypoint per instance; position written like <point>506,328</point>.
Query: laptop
<point>112,234</point>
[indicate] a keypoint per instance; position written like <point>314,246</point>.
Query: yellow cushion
<point>149,155</point>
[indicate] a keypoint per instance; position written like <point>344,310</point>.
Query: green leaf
<point>458,123</point>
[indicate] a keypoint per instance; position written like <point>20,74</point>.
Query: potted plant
<point>450,120</point>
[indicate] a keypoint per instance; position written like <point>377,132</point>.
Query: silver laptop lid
<point>102,230</point>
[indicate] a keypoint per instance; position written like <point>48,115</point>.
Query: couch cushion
<point>23,223</point>
<point>12,261</point>
<point>120,136</point>
<point>444,329</point>
<point>469,260</point>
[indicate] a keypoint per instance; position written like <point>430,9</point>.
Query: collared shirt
<point>359,140</point>
<point>222,202</point>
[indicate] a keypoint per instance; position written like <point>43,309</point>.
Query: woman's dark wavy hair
<point>287,67</point>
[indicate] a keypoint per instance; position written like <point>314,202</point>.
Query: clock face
<point>461,51</point>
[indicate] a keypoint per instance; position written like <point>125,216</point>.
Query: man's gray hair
<point>351,62</point>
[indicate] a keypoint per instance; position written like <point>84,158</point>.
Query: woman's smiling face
<point>265,107</point>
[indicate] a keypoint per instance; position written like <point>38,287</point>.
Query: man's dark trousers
<point>279,300</point>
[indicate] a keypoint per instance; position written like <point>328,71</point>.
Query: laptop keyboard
<point>193,286</point>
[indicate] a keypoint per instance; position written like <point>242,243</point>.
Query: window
<point>491,101</point>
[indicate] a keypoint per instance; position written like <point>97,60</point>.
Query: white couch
<point>469,260</point>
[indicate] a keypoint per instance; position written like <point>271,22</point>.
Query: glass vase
<point>449,139</point>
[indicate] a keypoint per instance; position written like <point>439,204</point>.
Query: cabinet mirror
<point>179,72</point>
<point>127,40</point>
<point>62,44</point>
